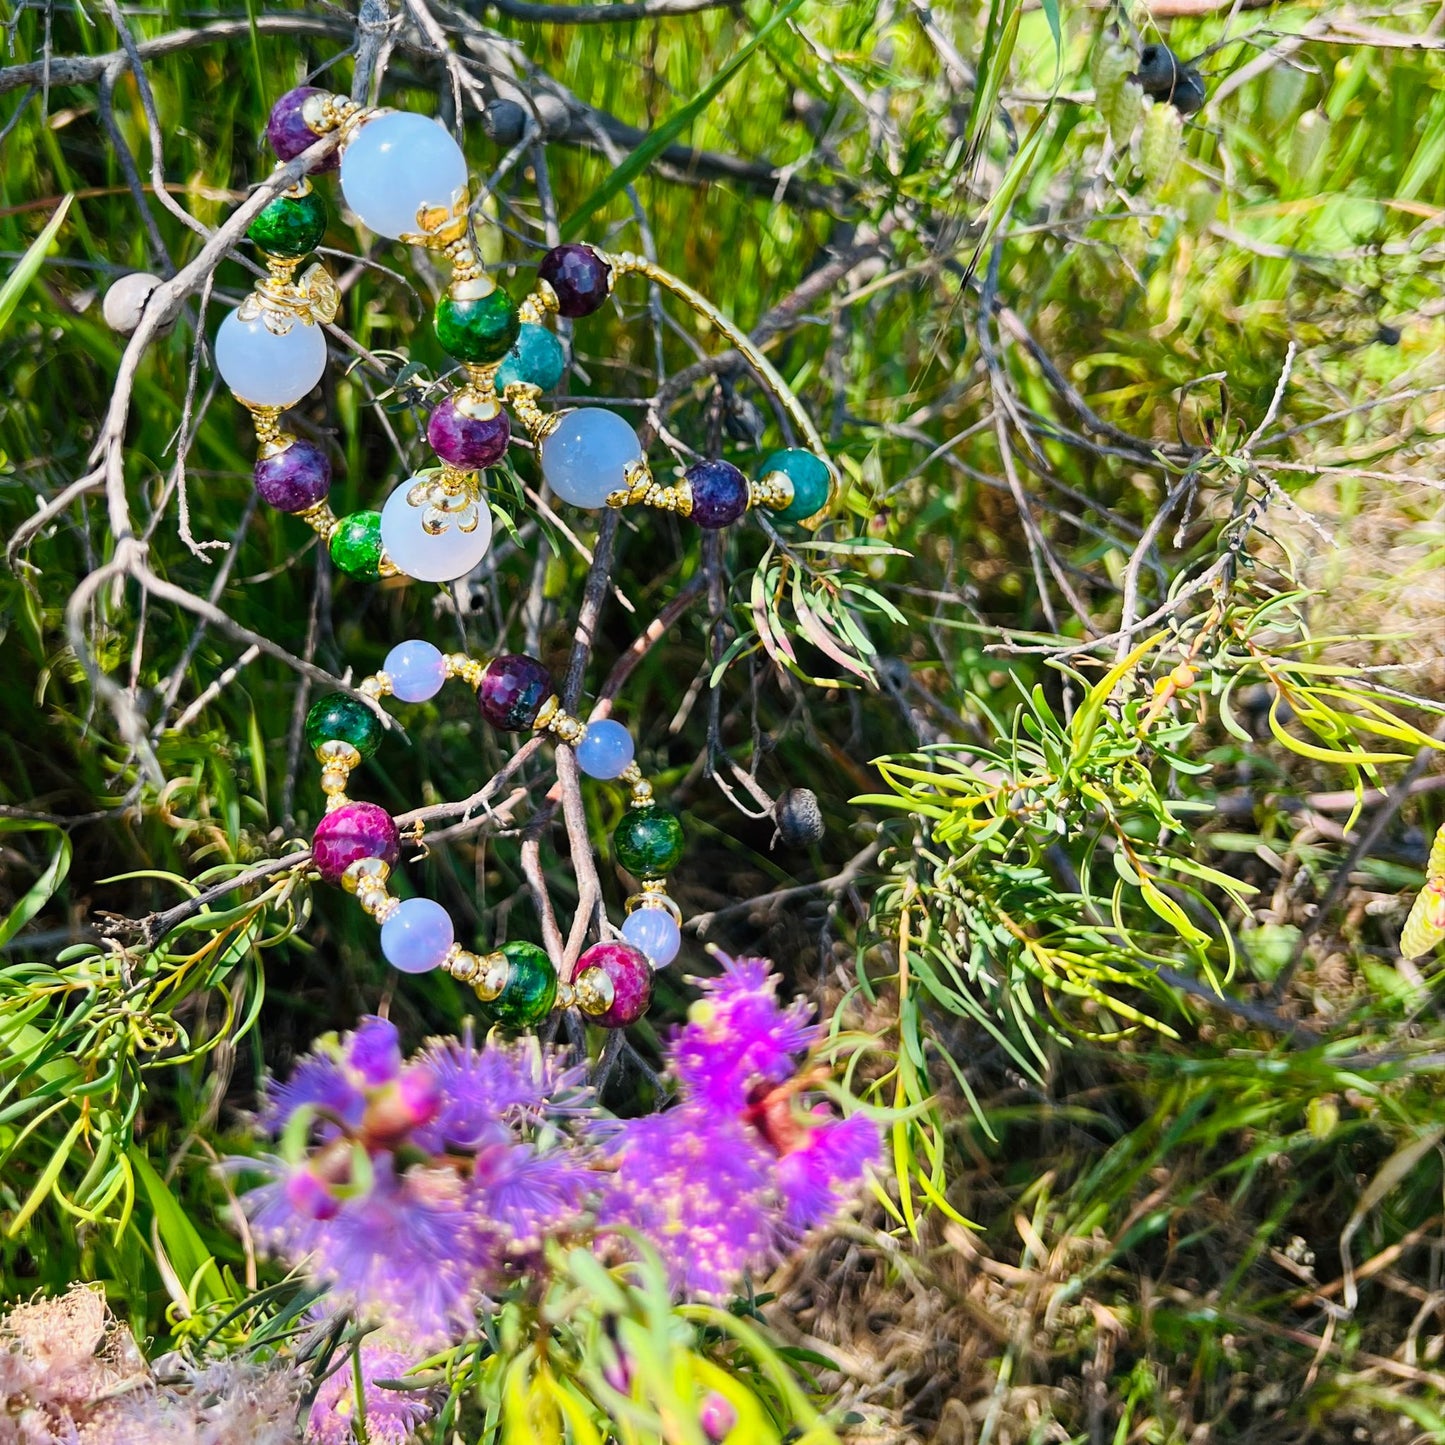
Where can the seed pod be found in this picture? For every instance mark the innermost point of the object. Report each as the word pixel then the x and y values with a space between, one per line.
pixel 505 121
pixel 1160 145
pixel 799 818
pixel 1108 69
pixel 1126 113
pixel 1311 132
pixel 1283 91
pixel 126 299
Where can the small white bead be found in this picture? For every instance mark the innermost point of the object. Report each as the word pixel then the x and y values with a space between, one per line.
pixel 126 299
pixel 416 552
pixel 266 369
pixel 398 164
pixel 588 454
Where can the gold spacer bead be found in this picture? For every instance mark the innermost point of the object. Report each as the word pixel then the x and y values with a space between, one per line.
pixel 566 996
pixel 631 775
pixel 333 780
pixel 385 908
pixel 335 801
pixel 774 491
pixel 495 974
pixel 321 519
pixel 546 713
pixel 594 991
pixel 469 669
pixel 385 567
pixel 654 895
pixel 522 396
pixel 642 794
pixel 377 685
pixel 376 870
pixel 338 753
pixel 541 303
pixel 461 963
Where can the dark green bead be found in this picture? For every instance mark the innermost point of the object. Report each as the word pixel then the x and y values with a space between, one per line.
pixel 291 225
pixel 811 479
pixel 479 330
pixel 356 545
pixel 531 988
pixel 648 842
pixel 347 719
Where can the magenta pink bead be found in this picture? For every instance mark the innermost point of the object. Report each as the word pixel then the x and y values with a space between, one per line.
pixel 631 976
pixel 352 832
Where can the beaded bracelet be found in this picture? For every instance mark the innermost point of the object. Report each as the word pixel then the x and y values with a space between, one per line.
pixel 356 843
pixel 406 178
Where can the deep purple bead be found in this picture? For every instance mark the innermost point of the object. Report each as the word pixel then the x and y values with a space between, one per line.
pixel 512 691
pixel 353 831
pixel 287 131
pixel 631 976
pixel 719 493
pixel 469 442
pixel 294 479
pixel 579 276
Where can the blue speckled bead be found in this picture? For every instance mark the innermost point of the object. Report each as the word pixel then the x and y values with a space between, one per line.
pixel 537 358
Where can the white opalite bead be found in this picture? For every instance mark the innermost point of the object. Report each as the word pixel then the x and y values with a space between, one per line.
pixel 416 552
pixel 606 750
pixel 417 670
pixel 398 164
pixel 653 932
pixel 588 455
pixel 266 369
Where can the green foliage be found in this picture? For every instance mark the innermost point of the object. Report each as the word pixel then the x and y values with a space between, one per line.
pixel 1136 606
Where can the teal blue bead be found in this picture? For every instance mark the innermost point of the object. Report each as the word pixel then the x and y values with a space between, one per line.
pixel 537 358
pixel 811 479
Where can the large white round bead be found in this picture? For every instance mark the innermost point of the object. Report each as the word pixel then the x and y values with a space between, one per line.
pixel 588 455
pixel 398 164
pixel 266 369
pixel 442 557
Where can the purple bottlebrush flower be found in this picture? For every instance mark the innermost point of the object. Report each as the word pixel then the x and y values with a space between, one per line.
pixel 336 1079
pixel 698 1186
pixel 392 1416
pixel 404 1251
pixel 483 1092
pixel 815 1178
pixel 738 1036
pixel 526 1195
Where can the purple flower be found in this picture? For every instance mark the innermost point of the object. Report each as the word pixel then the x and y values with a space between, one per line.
pixel 698 1186
pixel 739 1037
pixel 816 1178
pixel 392 1416
pixel 336 1079
pixel 484 1093
pixel 526 1195
pixel 405 1251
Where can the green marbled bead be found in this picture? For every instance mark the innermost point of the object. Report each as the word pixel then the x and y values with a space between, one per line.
pixel 480 330
pixel 812 482
pixel 337 717
pixel 356 545
pixel 530 991
pixel 648 842
pixel 290 226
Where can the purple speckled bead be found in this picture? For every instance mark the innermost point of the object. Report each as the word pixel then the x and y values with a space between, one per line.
pixel 512 691
pixel 287 131
pixel 355 830
pixel 719 493
pixel 579 276
pixel 468 441
pixel 631 976
pixel 294 479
